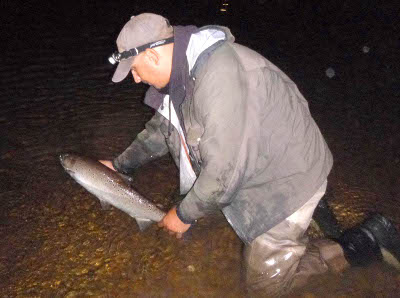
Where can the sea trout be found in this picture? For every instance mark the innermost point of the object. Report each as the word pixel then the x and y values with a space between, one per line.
pixel 111 189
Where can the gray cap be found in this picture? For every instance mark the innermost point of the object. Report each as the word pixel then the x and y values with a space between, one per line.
pixel 140 30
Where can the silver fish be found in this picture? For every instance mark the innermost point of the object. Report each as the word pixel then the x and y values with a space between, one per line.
pixel 111 189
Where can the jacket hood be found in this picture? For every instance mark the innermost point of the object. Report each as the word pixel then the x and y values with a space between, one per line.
pixel 203 42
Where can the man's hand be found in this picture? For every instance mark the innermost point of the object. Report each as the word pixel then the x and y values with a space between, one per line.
pixel 173 224
pixel 108 164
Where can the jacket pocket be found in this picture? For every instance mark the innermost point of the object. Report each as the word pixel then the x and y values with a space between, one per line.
pixel 194 135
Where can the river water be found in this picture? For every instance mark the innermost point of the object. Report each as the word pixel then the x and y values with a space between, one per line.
pixel 56 96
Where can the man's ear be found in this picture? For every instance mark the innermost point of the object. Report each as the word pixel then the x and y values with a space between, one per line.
pixel 152 56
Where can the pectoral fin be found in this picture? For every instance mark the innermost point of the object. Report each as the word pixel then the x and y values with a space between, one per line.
pixel 105 205
pixel 143 223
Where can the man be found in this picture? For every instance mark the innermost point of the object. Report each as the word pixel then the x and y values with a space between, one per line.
pixel 243 138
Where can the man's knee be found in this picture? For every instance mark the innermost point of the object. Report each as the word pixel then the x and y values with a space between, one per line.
pixel 270 266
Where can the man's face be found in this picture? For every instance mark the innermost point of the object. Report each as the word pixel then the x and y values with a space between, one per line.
pixel 145 70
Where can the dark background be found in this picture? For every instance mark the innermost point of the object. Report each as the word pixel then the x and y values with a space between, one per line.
pixel 56 96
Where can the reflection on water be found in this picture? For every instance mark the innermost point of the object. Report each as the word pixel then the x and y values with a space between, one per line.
pixel 56 240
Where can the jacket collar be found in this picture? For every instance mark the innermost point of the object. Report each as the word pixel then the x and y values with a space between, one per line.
pixel 203 43
pixel 180 72
pixel 192 47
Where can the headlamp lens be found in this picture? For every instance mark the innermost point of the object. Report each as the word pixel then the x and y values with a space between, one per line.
pixel 114 58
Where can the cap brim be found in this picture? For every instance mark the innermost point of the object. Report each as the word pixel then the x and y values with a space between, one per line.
pixel 123 68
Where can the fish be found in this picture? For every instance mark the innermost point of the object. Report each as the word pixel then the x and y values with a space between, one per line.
pixel 111 189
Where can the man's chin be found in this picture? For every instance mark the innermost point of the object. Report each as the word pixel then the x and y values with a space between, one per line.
pixel 163 90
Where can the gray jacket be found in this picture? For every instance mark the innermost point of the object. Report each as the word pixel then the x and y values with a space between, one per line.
pixel 260 152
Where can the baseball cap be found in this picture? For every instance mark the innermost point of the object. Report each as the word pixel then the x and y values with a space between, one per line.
pixel 138 31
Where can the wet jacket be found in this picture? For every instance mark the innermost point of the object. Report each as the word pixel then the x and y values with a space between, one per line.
pixel 261 156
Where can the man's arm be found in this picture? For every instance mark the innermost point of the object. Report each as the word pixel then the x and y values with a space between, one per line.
pixel 148 145
pixel 223 111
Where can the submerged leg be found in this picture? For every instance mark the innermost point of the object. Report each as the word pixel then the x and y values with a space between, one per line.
pixel 277 261
pixel 325 218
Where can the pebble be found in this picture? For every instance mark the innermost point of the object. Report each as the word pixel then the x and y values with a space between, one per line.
pixel 365 49
pixel 330 72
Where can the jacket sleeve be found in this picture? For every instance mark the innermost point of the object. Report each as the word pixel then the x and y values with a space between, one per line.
pixel 222 108
pixel 148 145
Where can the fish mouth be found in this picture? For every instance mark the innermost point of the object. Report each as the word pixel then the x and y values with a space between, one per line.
pixel 64 158
pixel 68 161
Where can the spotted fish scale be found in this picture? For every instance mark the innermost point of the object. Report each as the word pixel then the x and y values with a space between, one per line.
pixel 110 188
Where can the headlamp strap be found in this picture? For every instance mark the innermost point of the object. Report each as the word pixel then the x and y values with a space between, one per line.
pixel 136 51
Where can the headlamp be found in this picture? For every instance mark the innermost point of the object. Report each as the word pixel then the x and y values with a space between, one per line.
pixel 118 56
pixel 114 58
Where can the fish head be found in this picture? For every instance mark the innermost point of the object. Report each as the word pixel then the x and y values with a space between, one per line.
pixel 86 170
pixel 68 161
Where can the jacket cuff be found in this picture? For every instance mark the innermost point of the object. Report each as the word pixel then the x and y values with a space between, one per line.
pixel 182 218
pixel 120 167
pixel 116 165
pixel 126 164
pixel 193 208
